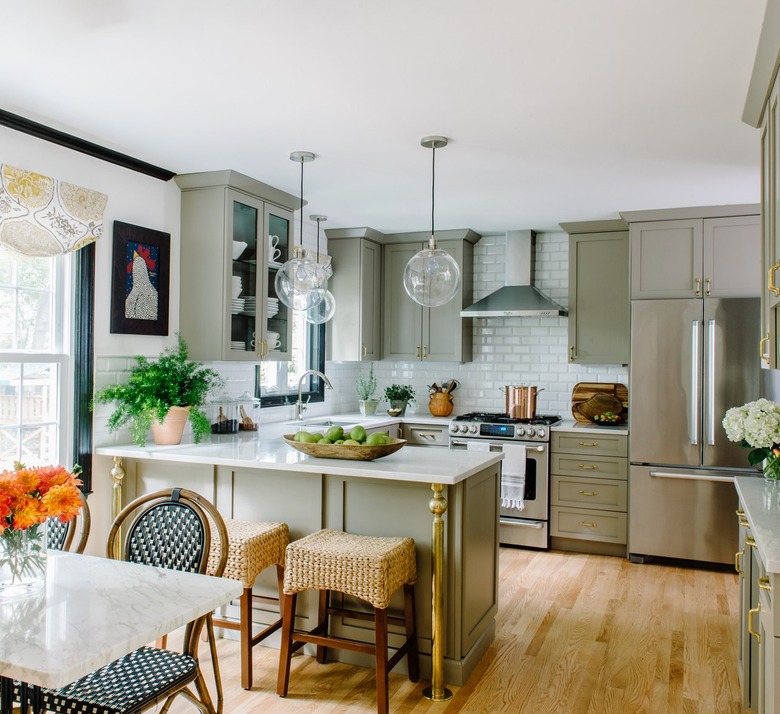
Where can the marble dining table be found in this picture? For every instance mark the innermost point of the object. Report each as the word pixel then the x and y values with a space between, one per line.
pixel 93 611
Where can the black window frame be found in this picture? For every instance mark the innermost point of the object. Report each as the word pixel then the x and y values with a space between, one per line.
pixel 315 393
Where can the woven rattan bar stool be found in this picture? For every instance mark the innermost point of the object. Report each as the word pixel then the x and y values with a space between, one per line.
pixel 366 567
pixel 252 547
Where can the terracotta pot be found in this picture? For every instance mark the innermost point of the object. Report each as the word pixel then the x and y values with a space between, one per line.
pixel 172 427
pixel 440 404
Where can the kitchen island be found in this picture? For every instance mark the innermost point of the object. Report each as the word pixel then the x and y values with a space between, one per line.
pixel 264 479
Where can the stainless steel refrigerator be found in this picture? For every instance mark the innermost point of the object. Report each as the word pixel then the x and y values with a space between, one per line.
pixel 691 360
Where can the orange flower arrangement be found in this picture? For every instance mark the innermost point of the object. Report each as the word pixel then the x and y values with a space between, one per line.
pixel 29 496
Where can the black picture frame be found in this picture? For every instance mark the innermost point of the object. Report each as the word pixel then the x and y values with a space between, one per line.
pixel 140 280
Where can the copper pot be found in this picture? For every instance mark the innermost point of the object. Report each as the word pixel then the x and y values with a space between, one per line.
pixel 520 401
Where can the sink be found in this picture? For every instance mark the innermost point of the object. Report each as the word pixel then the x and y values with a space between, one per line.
pixel 325 422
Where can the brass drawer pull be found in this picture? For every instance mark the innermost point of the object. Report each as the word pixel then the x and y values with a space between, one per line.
pixel 588 468
pixel 588 493
pixel 763 583
pixel 737 556
pixel 706 287
pixel 761 354
pixel 749 540
pixel 744 522
pixel 571 353
pixel 363 350
pixel 770 284
pixel 697 290
pixel 740 512
pixel 589 443
pixel 426 435
pixel 588 525
pixel 750 622
pixel 425 352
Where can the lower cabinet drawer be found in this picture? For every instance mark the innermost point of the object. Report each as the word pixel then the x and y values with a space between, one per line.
pixel 602 494
pixel 586 524
pixel 425 435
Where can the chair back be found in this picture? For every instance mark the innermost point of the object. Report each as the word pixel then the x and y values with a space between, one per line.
pixel 60 535
pixel 172 529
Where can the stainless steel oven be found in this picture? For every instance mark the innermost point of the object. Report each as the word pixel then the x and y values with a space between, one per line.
pixel 527 527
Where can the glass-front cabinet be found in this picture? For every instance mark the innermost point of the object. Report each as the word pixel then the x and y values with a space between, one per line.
pixel 236 234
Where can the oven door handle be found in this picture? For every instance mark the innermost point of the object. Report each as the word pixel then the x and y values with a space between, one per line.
pixel 524 524
pixel 461 442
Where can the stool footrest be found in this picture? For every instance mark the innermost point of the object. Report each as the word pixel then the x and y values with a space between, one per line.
pixel 361 615
pixel 338 642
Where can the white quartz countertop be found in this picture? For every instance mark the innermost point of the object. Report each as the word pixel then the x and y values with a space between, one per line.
pixel 761 502
pixel 580 427
pixel 265 450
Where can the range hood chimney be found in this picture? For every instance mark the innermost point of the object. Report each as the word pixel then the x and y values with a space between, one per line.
pixel 518 298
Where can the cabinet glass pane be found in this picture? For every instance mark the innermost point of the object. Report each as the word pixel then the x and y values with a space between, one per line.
pixel 278 313
pixel 244 277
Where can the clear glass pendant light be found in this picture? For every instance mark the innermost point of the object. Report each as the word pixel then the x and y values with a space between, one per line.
pixel 300 282
pixel 325 308
pixel 432 276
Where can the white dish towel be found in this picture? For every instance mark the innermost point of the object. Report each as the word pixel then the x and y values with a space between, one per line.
pixel 513 477
pixel 478 446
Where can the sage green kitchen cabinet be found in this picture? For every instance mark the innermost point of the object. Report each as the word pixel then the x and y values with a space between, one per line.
pixel 218 208
pixel 436 334
pixel 354 333
pixel 599 331
pixel 696 256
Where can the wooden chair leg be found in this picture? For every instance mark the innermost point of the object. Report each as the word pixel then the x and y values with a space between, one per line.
pixel 285 650
pixel 322 623
pixel 245 618
pixel 209 629
pixel 412 658
pixel 382 695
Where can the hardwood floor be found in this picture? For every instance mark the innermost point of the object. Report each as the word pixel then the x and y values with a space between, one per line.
pixel 576 634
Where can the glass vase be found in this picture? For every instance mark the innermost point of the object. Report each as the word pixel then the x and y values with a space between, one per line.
pixel 772 468
pixel 22 561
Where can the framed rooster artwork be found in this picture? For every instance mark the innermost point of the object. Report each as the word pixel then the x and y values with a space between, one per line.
pixel 140 280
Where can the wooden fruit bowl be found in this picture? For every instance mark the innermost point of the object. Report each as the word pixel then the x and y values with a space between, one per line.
pixel 339 451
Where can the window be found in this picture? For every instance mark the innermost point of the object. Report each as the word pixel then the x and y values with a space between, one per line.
pixel 35 365
pixel 277 382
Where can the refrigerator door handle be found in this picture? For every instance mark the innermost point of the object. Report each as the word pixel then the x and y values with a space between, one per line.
pixel 691 477
pixel 695 382
pixel 711 382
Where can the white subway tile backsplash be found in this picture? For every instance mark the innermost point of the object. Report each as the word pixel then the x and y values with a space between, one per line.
pixel 532 350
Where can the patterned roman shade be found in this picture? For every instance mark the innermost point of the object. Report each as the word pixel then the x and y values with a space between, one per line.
pixel 41 216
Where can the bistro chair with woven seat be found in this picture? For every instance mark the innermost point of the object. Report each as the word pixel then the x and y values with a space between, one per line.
pixel 60 536
pixel 169 529
pixel 252 547
pixel 366 567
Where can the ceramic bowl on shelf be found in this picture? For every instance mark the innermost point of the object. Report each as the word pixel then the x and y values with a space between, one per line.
pixel 238 248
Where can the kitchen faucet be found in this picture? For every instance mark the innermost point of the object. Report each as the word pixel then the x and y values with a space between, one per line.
pixel 300 405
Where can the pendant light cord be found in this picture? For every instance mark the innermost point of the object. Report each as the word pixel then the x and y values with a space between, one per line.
pixel 301 218
pixel 318 240
pixel 433 187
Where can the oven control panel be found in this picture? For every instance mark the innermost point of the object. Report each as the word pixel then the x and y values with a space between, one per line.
pixel 507 432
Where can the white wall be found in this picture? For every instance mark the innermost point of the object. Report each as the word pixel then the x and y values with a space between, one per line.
pixel 132 198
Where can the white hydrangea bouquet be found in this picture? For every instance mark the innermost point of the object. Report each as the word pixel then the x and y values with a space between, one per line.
pixel 756 426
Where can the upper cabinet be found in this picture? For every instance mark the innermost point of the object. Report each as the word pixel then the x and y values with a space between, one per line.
pixel 354 333
pixel 413 332
pixel 695 256
pixel 598 292
pixel 235 234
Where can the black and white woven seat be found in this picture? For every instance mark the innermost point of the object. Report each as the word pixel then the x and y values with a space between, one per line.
pixel 60 536
pixel 170 530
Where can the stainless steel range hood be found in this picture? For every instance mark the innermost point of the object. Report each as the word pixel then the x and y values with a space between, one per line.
pixel 518 297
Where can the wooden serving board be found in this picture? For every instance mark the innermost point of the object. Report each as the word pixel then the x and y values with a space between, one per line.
pixel 585 390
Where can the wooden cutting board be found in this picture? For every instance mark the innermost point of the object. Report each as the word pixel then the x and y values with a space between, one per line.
pixel 585 390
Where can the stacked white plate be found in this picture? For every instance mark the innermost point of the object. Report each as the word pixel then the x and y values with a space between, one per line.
pixel 237 305
pixel 250 305
pixel 236 285
pixel 272 307
pixel 237 345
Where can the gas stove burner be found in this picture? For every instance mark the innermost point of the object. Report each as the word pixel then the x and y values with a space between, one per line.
pixel 493 418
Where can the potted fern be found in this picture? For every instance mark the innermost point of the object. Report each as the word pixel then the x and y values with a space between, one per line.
pixel 365 388
pixel 162 394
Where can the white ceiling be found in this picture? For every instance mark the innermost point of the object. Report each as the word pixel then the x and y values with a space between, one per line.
pixel 556 110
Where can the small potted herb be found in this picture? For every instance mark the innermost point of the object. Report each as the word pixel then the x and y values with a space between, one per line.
pixel 399 396
pixel 365 388
pixel 162 394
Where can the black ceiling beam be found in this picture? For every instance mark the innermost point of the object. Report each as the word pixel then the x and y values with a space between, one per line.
pixel 41 131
